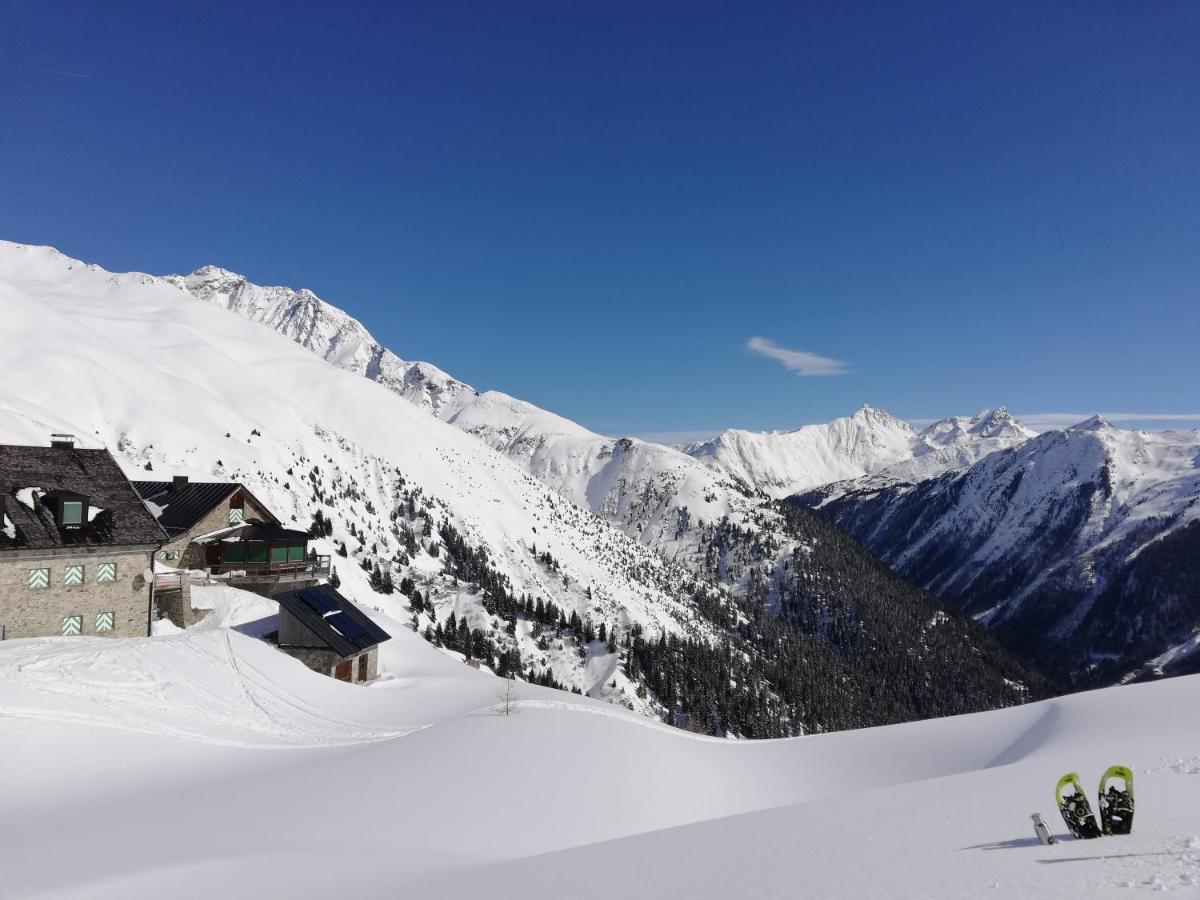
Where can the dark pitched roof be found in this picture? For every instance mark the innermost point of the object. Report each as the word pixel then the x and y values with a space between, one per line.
pixel 333 619
pixel 185 503
pixel 116 515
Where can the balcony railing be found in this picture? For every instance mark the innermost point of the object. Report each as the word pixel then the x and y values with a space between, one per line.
pixel 311 567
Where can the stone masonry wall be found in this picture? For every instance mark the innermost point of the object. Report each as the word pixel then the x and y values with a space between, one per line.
pixel 39 612
pixel 325 661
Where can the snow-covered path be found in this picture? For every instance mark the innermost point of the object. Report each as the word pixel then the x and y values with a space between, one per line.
pixel 207 764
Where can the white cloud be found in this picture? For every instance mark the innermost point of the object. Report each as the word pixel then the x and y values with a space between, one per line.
pixel 674 438
pixel 799 361
pixel 1052 420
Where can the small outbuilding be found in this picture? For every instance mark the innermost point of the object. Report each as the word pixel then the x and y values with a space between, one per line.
pixel 329 634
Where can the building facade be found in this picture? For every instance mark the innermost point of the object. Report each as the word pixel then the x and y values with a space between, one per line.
pixel 220 532
pixel 76 545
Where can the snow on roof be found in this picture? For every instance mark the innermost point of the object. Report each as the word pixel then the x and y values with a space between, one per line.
pixel 29 497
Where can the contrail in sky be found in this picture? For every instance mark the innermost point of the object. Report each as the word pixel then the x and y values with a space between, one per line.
pixel 50 71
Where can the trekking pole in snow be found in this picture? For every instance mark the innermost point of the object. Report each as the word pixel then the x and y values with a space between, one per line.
pixel 1040 829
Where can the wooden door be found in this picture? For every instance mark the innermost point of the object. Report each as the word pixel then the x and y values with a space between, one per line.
pixel 342 671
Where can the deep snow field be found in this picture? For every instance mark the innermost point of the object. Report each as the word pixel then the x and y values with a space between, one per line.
pixel 205 763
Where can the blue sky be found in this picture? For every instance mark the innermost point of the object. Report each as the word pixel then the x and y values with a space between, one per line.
pixel 633 213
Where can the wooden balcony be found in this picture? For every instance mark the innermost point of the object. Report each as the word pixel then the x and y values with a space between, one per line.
pixel 312 567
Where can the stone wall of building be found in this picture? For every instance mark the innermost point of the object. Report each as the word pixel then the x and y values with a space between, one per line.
pixel 326 661
pixel 177 605
pixel 40 611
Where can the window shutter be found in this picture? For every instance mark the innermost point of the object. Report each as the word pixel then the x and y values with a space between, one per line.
pixel 72 625
pixel 73 575
pixel 104 621
pixel 39 578
pixel 106 572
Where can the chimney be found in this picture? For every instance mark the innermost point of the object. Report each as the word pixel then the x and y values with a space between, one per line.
pixel 177 482
pixel 62 441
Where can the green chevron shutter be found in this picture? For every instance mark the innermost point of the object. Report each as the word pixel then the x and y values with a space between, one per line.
pixel 106 572
pixel 73 575
pixel 72 625
pixel 104 621
pixel 39 578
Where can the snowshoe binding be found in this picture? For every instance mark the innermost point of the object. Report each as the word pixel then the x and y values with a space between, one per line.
pixel 1116 806
pixel 1075 809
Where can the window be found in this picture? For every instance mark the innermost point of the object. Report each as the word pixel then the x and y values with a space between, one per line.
pixel 234 553
pixel 235 515
pixel 72 625
pixel 256 553
pixel 73 575
pixel 106 572
pixel 296 553
pixel 72 512
pixel 104 621
pixel 39 578
pixel 279 554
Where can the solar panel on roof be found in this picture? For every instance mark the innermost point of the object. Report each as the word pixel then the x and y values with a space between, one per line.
pixel 319 601
pixel 346 625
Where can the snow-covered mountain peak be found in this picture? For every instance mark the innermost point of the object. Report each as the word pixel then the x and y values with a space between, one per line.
pixel 1095 423
pixel 210 274
pixel 780 463
pixel 874 416
pixel 987 424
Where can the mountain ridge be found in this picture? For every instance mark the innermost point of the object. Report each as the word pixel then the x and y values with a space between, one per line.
pixel 760 623
pixel 1051 543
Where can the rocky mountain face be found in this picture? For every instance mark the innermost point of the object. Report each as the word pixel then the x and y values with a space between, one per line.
pixel 1077 548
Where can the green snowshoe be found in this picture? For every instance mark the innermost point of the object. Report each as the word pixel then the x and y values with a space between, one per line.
pixel 1075 809
pixel 1116 806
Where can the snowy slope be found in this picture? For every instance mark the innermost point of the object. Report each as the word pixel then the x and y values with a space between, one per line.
pixel 208 764
pixel 187 388
pixel 638 486
pixel 1077 546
